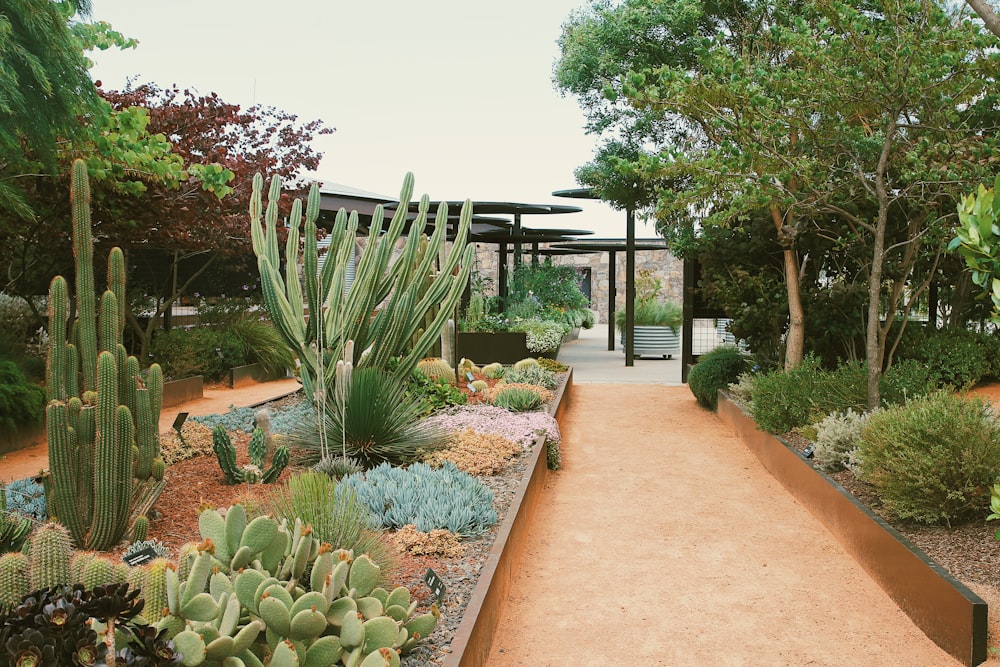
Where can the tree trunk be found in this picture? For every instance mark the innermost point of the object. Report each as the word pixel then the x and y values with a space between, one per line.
pixel 987 14
pixel 796 337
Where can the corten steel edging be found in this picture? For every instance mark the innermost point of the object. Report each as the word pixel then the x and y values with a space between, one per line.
pixel 176 392
pixel 951 615
pixel 470 647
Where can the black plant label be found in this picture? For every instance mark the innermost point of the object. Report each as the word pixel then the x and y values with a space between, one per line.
pixel 434 583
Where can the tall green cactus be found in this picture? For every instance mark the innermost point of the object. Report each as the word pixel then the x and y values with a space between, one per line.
pixel 95 427
pixel 385 310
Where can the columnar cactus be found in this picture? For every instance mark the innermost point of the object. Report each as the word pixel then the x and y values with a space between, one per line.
pixel 384 311
pixel 49 556
pixel 103 431
pixel 14 582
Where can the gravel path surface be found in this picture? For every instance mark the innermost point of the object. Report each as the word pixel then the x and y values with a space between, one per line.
pixel 662 541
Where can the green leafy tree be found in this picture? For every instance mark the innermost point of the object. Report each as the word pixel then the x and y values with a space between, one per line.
pixel 868 151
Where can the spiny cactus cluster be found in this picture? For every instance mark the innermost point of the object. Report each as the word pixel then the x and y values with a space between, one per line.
pixel 259 583
pixel 397 306
pixel 436 369
pixel 225 452
pixel 102 417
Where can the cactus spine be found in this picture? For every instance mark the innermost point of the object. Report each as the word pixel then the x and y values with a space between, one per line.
pixel 49 556
pixel 408 289
pixel 94 428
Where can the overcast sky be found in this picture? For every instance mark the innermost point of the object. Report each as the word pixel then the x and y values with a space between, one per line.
pixel 457 91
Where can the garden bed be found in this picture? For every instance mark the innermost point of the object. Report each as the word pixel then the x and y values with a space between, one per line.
pixel 945 609
pixel 477 582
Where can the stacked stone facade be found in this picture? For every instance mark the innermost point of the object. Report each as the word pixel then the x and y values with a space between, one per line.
pixel 664 266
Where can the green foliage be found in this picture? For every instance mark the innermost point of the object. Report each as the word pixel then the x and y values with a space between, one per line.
pixel 338 467
pixel 334 513
pixel 908 379
pixel 932 460
pixel 21 403
pixel 837 437
pixel 784 400
pixel 429 498
pixel 977 239
pixel 379 422
pixel 532 375
pixel 655 313
pixel 515 399
pixel 958 358
pixel 14 530
pixel 434 395
pixel 212 351
pixel 543 336
pixel 262 345
pixel 548 288
pixel 716 370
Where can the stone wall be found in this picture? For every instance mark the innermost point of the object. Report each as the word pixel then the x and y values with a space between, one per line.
pixel 664 266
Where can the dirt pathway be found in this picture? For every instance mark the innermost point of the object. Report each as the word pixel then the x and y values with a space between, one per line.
pixel 664 542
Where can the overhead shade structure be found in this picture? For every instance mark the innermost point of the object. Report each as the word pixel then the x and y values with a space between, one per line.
pixel 590 193
pixel 612 247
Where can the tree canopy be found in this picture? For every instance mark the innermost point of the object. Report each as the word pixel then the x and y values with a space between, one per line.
pixel 782 115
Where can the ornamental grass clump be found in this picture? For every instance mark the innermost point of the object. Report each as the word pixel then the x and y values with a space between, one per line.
pixel 932 460
pixel 532 375
pixel 334 512
pixel 476 453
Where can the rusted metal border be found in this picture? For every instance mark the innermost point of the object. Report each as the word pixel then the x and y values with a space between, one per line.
pixel 951 615
pixel 473 639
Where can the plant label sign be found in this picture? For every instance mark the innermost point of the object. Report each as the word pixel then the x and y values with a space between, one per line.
pixel 470 376
pixel 434 583
pixel 139 557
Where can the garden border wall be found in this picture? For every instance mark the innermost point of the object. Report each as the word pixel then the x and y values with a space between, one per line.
pixel 950 614
pixel 241 376
pixel 184 390
pixel 471 644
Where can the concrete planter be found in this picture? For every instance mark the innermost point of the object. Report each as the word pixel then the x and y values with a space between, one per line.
pixel 471 644
pixel 949 613
pixel 654 341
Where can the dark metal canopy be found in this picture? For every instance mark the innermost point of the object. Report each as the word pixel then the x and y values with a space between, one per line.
pixel 630 248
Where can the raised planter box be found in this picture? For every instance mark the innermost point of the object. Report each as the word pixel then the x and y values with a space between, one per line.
pixel 653 342
pixel 471 644
pixel 505 347
pixel 250 374
pixel 25 436
pixel 180 391
pixel 951 615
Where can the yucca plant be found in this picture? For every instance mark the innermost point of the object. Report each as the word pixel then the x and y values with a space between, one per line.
pixel 333 511
pixel 377 420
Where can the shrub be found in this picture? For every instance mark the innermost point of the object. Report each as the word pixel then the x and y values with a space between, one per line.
pixel 906 380
pixel 429 498
pixel 837 436
pixel 195 440
pixel 380 422
pixel 552 365
pixel 959 358
pixel 435 543
pixel 542 335
pixel 21 402
pixel 715 370
pixel 334 512
pixel 933 459
pixel 262 344
pixel 200 351
pixel 784 400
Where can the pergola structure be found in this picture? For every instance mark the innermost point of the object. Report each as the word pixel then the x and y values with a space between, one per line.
pixel 612 247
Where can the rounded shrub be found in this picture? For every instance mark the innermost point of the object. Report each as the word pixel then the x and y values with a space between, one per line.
pixel 837 436
pixel 933 460
pixel 715 370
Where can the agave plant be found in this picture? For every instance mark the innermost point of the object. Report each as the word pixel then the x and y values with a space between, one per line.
pixel 378 421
